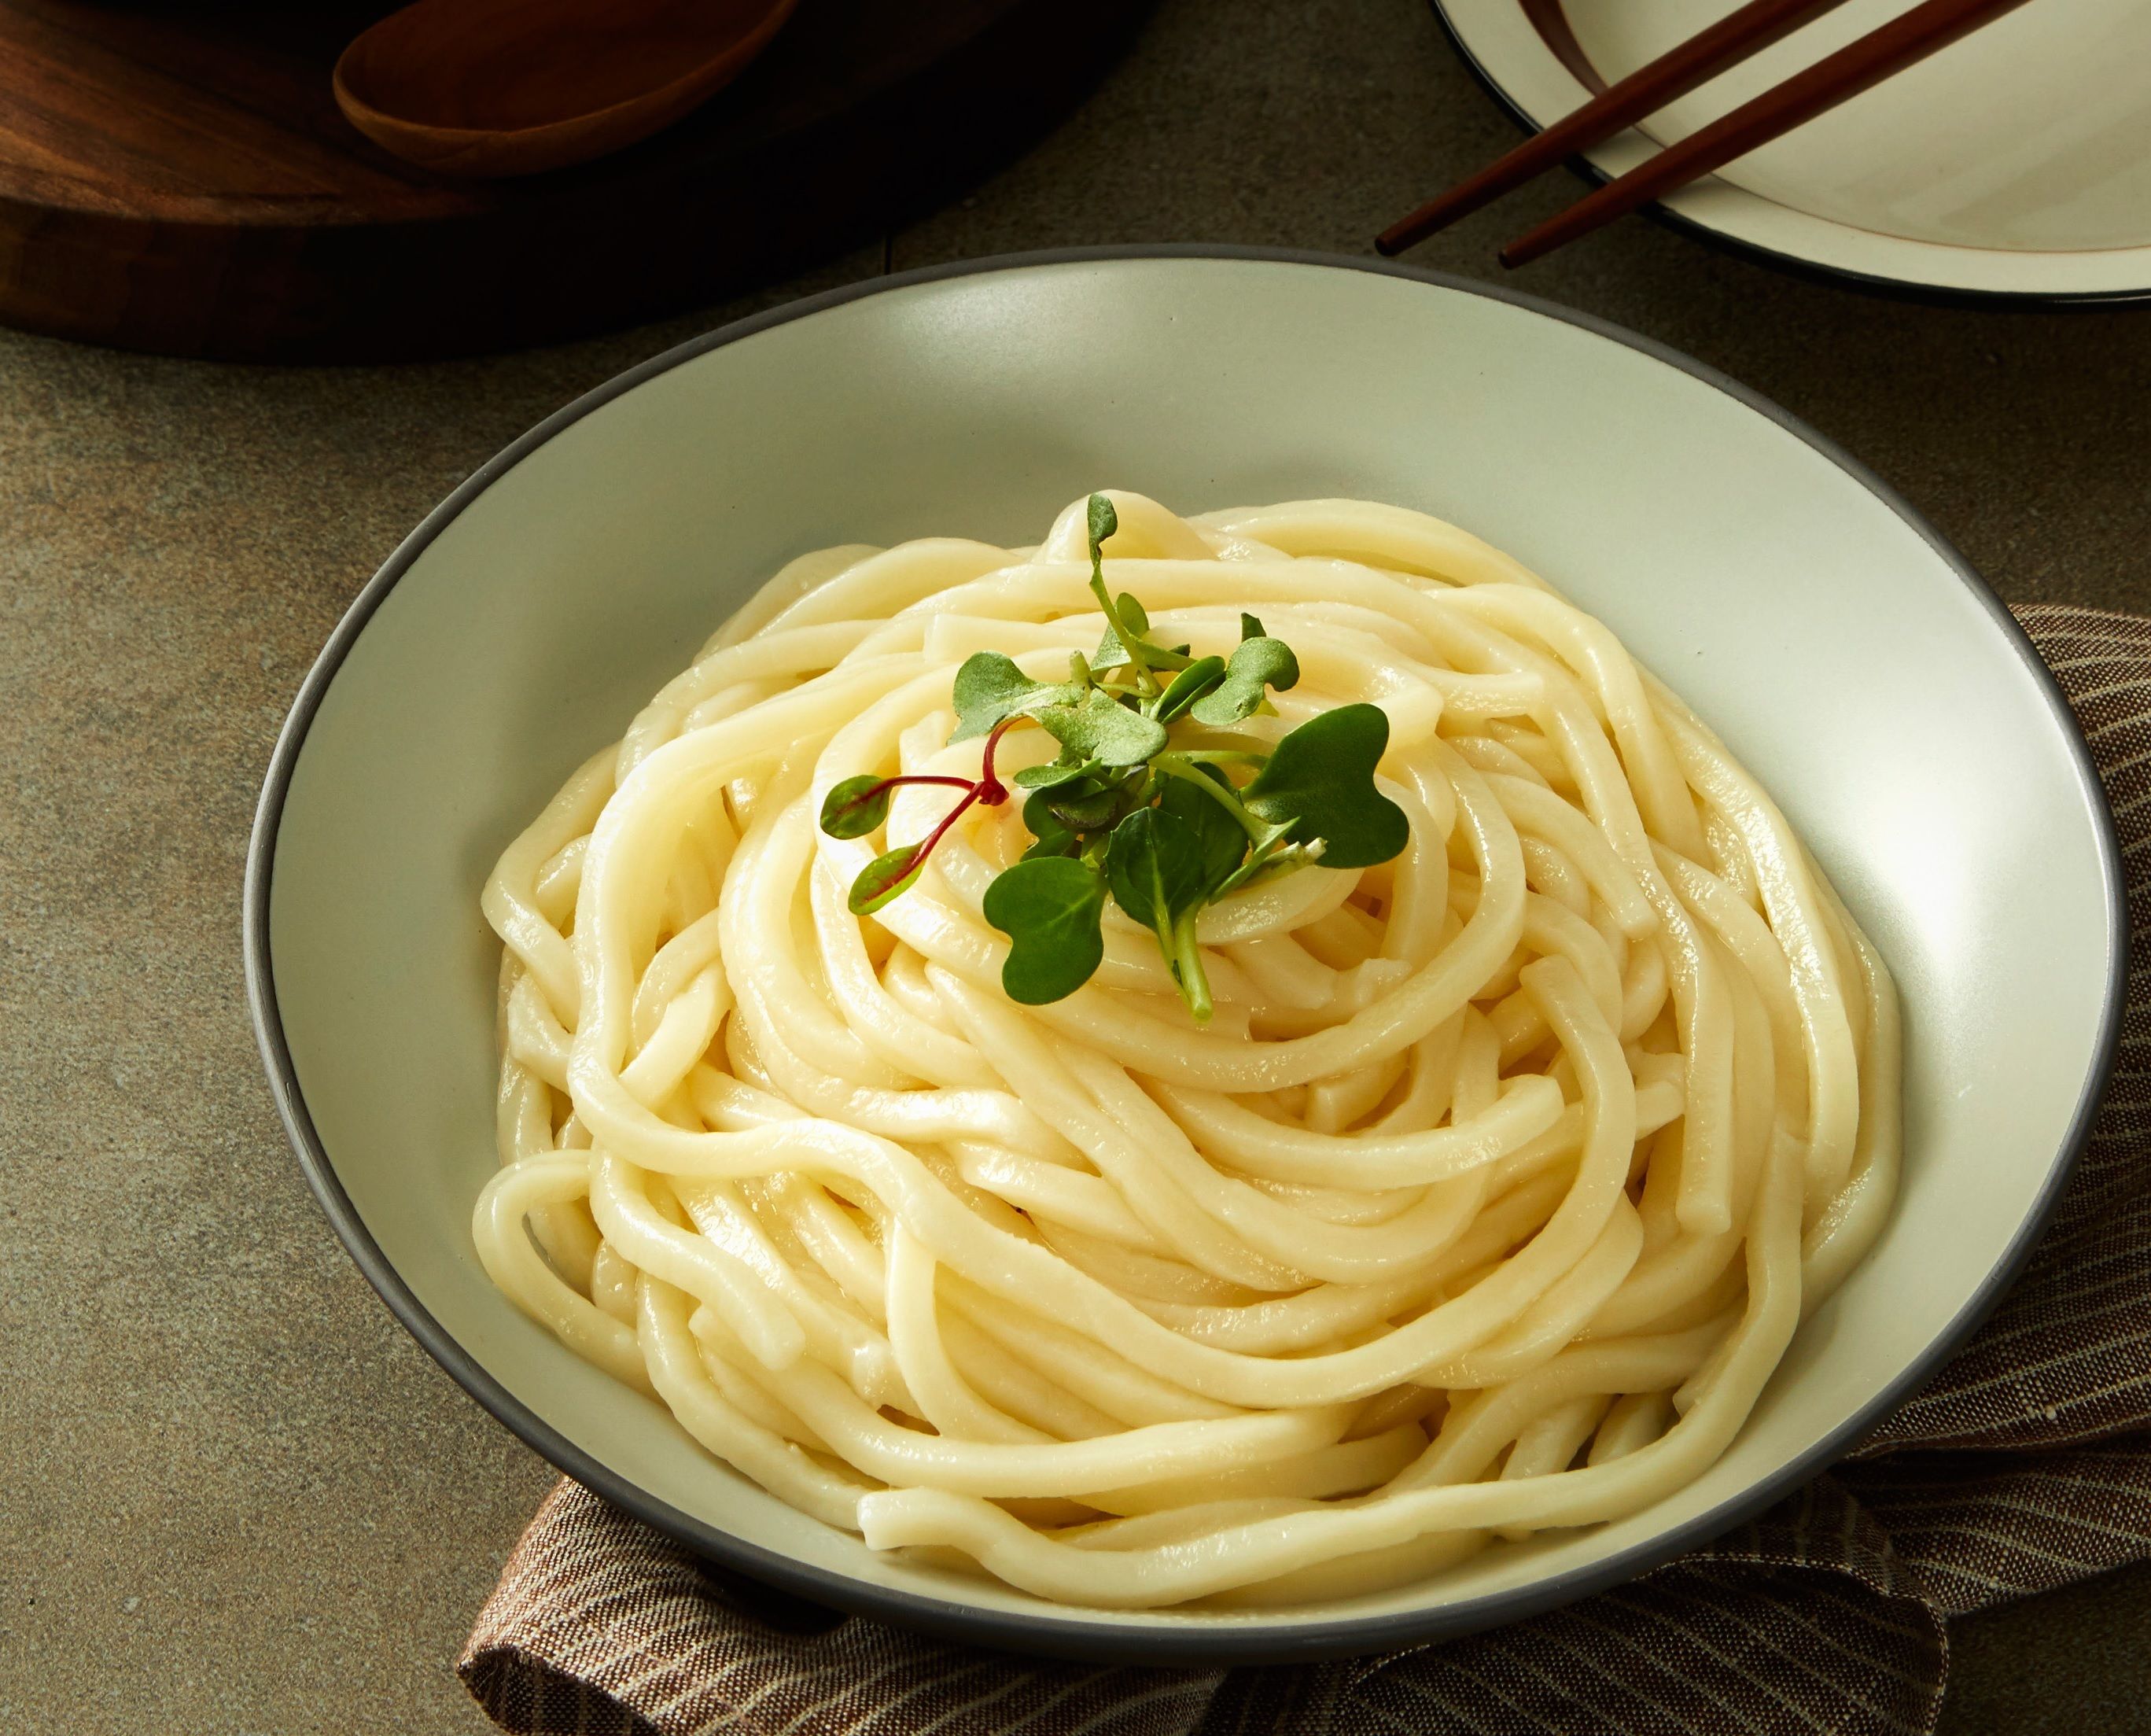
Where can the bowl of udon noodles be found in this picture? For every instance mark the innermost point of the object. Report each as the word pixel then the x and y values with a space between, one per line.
pixel 1184 956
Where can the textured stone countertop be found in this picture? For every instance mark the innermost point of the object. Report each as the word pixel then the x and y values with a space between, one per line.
pixel 234 1496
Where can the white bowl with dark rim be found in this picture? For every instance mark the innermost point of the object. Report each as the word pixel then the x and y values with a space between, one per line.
pixel 1844 651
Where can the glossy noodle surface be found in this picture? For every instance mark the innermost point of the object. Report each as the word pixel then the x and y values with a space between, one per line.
pixel 1486 1202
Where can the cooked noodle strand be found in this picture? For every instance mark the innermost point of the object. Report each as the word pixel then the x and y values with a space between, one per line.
pixel 1486 1204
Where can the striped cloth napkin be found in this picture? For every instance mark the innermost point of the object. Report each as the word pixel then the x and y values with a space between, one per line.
pixel 2024 1464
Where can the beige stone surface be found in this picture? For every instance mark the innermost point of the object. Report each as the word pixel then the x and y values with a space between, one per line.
pixel 234 1496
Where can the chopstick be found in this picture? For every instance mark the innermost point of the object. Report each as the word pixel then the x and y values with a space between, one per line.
pixel 1680 69
pixel 1859 66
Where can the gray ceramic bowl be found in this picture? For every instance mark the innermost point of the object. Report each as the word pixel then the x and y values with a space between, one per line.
pixel 1841 648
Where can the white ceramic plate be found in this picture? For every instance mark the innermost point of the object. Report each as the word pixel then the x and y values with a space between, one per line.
pixel 1843 651
pixel 2013 166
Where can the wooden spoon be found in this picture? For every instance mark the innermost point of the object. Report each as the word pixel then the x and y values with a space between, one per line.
pixel 513 87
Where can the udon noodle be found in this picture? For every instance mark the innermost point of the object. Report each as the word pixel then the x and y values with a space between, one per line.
pixel 1486 1203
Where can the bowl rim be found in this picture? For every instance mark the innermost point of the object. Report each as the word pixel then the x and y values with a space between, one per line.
pixel 1074 1633
pixel 1896 287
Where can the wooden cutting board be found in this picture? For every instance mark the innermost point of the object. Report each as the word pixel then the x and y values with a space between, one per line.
pixel 178 177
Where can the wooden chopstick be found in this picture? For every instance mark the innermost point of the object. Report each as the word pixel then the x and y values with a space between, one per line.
pixel 1680 69
pixel 1859 66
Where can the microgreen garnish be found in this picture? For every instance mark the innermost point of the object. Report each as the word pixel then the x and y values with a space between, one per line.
pixel 1098 729
pixel 1258 662
pixel 1319 783
pixel 1163 828
pixel 1050 907
pixel 990 689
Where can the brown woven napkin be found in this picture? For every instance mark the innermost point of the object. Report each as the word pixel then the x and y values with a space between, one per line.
pixel 2024 1464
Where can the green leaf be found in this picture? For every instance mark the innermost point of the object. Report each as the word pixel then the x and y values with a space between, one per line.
pixel 855 806
pixel 1126 620
pixel 1101 730
pixel 1319 783
pixel 1037 815
pixel 1154 866
pixel 1258 662
pixel 990 688
pixel 1080 805
pixel 1158 862
pixel 1113 655
pixel 885 877
pixel 1061 771
pixel 1221 841
pixel 1190 685
pixel 1048 908
pixel 1054 839
pixel 1090 809
pixel 1053 842
pixel 1250 628
pixel 1104 522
